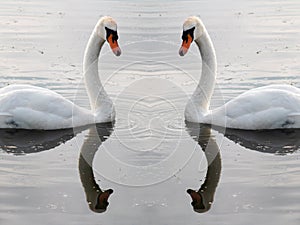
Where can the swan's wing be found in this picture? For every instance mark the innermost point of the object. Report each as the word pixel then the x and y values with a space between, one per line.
pixel 265 119
pixel 30 118
pixel 261 108
pixel 241 119
pixel 40 109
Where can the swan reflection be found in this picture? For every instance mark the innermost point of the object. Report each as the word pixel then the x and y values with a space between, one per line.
pixel 97 198
pixel 278 141
pixel 204 197
pixel 20 142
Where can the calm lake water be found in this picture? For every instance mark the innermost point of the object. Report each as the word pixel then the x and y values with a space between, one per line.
pixel 149 157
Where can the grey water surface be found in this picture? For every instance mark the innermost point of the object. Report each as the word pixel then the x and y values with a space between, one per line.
pixel 149 157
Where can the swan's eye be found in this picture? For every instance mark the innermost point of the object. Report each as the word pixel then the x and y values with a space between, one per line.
pixel 185 34
pixel 113 33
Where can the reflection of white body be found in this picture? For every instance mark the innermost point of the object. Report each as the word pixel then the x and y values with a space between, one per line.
pixel 30 107
pixel 268 107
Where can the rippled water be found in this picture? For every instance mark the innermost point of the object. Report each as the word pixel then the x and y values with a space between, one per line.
pixel 149 157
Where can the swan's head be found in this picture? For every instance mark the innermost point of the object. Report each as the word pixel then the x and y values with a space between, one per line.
pixel 193 29
pixel 101 202
pixel 106 28
pixel 198 202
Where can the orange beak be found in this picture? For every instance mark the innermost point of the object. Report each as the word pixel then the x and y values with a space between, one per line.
pixel 114 45
pixel 185 45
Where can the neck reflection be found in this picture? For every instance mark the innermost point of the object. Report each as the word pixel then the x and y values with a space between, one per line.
pixel 96 197
pixel 204 197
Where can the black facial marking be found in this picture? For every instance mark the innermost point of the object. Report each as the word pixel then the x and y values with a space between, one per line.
pixel 114 34
pixel 185 33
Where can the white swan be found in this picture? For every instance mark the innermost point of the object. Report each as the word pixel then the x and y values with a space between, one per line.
pixel 268 107
pixel 31 107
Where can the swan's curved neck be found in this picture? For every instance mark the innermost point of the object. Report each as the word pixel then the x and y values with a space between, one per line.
pixel 95 90
pixel 202 95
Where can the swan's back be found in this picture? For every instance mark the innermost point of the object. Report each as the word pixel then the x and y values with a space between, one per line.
pixel 17 87
pixel 282 87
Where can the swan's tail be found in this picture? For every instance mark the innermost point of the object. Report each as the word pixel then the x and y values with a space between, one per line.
pixel 293 121
pixel 5 120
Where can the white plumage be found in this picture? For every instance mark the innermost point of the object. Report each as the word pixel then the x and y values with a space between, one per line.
pixel 31 107
pixel 268 107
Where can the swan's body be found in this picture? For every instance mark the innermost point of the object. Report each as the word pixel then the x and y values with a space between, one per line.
pixel 268 107
pixel 31 107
